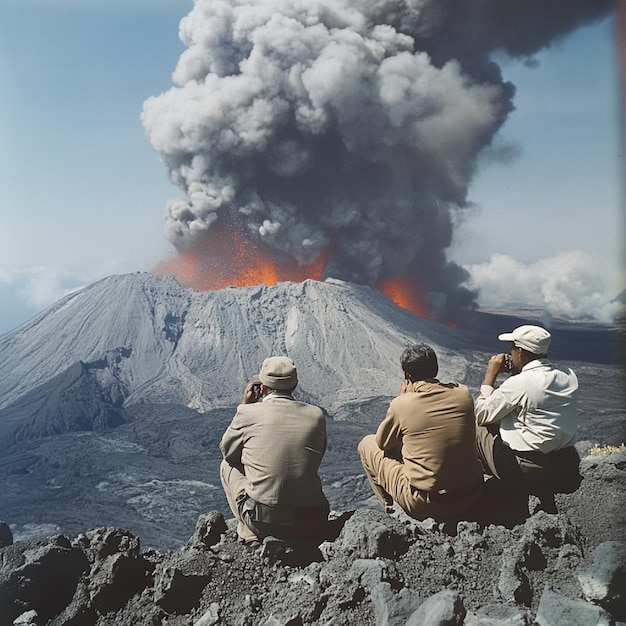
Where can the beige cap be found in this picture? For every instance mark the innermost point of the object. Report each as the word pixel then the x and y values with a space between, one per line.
pixel 279 372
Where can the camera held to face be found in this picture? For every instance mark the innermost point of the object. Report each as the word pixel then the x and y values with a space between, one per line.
pixel 256 391
pixel 508 364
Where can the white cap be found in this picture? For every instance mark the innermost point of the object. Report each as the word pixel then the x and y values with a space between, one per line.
pixel 531 338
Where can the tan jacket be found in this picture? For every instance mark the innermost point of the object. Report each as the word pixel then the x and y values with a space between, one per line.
pixel 434 426
pixel 280 442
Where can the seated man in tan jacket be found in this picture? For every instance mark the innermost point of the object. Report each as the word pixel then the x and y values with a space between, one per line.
pixel 272 452
pixel 423 455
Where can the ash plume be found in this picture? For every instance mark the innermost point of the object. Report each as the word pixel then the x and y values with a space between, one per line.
pixel 343 130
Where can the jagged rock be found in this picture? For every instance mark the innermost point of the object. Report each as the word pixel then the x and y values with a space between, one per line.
pixel 117 572
pixel 443 609
pixel 6 536
pixel 209 530
pixel 541 532
pixel 212 579
pixel 604 581
pixel 557 610
pixel 180 580
pixel 291 554
pixel 275 550
pixel 549 530
pixel 393 603
pixel 600 503
pixel 499 615
pixel 116 579
pixel 210 617
pixel 370 534
pixel 513 583
pixel 100 543
pixel 371 572
pixel 391 608
pixel 29 618
pixel 569 557
pixel 80 611
pixel 40 575
pixel 179 593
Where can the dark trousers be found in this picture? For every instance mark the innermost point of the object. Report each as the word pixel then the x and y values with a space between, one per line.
pixel 555 471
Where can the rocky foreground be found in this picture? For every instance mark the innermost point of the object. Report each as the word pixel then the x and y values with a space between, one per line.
pixel 521 561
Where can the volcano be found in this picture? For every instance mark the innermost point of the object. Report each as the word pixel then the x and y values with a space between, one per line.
pixel 138 337
pixel 114 399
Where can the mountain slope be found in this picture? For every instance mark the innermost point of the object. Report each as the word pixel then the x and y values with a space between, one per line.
pixel 152 340
pixel 73 400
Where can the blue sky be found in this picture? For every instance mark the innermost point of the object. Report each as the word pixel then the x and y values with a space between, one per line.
pixel 83 193
pixel 567 173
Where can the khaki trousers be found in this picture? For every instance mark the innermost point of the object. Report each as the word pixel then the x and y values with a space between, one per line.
pixel 385 473
pixel 305 524
pixel 234 483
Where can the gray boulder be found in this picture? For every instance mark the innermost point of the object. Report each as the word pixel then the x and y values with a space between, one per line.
pixel 209 530
pixel 443 609
pixel 370 534
pixel 393 608
pixel 557 610
pixel 378 569
pixel 499 615
pixel 604 581
pixel 39 576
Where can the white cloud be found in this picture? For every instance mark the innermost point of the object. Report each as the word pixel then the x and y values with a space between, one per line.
pixel 571 284
pixel 26 291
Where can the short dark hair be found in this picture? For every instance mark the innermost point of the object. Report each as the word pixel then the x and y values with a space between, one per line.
pixel 420 361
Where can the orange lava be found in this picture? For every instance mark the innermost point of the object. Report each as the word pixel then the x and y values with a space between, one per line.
pixel 405 294
pixel 225 259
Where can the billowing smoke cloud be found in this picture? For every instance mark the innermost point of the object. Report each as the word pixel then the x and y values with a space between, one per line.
pixel 343 128
pixel 570 284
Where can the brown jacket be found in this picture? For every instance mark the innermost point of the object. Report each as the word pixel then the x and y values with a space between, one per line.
pixel 435 429
pixel 280 443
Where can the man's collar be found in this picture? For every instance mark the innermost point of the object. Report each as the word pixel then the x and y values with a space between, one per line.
pixel 279 394
pixel 535 363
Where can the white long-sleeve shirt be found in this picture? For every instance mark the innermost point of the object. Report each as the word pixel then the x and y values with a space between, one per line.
pixel 536 409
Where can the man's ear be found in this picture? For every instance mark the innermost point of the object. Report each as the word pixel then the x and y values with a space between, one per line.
pixel 407 376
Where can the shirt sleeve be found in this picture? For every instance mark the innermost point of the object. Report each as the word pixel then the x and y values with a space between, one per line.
pixel 389 433
pixel 231 444
pixel 493 405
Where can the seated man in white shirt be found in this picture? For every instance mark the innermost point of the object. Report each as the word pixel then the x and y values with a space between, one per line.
pixel 526 428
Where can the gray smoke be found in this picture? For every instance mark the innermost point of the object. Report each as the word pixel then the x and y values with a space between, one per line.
pixel 350 127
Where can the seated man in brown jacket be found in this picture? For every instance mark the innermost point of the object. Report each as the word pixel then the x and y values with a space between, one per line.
pixel 272 452
pixel 423 455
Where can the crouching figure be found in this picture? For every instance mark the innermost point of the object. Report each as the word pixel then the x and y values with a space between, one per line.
pixel 528 425
pixel 272 452
pixel 423 455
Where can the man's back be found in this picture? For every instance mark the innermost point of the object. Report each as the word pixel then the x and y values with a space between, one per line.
pixel 436 425
pixel 281 443
pixel 536 408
